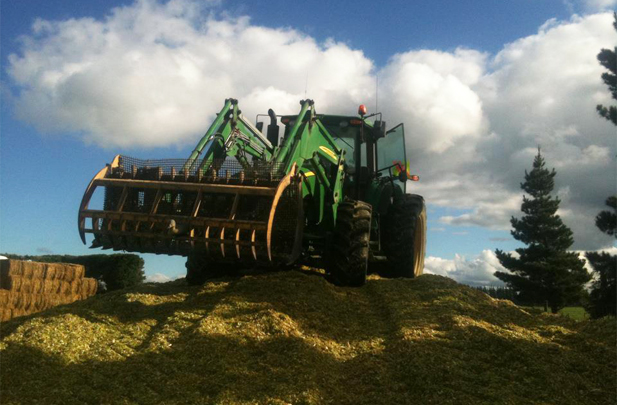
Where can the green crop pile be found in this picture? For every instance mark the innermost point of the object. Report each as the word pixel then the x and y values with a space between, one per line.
pixel 292 337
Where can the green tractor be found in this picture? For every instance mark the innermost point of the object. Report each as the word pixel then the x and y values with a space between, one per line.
pixel 322 190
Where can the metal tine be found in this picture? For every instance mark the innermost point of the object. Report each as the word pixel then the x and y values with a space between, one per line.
pixel 253 249
pixel 207 234
pixel 237 244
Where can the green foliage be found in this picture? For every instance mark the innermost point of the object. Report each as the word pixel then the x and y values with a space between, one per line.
pixel 117 271
pixel 608 59
pixel 544 271
pixel 606 221
pixel 602 297
pixel 501 293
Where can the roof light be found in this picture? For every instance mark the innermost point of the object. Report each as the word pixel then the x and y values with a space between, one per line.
pixel 362 110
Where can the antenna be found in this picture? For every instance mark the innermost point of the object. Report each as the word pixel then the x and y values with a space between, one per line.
pixel 376 93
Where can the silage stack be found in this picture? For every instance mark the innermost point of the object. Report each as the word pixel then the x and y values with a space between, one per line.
pixel 28 287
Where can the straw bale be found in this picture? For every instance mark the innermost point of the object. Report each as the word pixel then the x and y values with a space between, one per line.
pixel 37 285
pixel 51 286
pixel 12 283
pixel 65 287
pixel 27 268
pixel 26 286
pixel 10 268
pixel 79 271
pixel 4 297
pixel 90 285
pixel 5 314
pixel 71 272
pixel 38 269
pixel 54 271
pixel 23 300
pixel 76 286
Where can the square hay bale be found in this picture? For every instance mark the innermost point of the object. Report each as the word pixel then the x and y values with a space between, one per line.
pixel 27 268
pixel 65 287
pixel 26 286
pixel 76 286
pixel 72 272
pixel 38 269
pixel 37 285
pixel 5 314
pixel 54 271
pixel 90 285
pixel 10 268
pixel 79 271
pixel 12 283
pixel 23 301
pixel 51 286
pixel 4 298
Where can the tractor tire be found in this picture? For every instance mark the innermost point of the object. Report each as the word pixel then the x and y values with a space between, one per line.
pixel 403 236
pixel 198 269
pixel 347 259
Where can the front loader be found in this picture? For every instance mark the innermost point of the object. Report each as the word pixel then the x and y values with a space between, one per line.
pixel 316 189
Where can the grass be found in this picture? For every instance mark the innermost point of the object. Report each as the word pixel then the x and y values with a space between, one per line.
pixel 292 337
pixel 576 313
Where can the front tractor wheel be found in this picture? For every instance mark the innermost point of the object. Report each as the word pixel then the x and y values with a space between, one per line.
pixel 198 269
pixel 403 236
pixel 348 254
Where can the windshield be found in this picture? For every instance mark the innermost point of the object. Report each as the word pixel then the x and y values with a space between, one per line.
pixel 391 149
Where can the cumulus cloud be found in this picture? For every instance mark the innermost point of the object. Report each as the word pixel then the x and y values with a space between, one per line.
pixel 152 74
pixel 157 278
pixel 539 90
pixel 476 271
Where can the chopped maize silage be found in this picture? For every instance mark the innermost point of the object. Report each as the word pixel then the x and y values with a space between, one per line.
pixel 294 338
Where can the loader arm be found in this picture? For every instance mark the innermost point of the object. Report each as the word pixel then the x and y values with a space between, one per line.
pixel 311 148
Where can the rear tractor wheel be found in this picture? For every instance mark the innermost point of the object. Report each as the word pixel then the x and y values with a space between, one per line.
pixel 403 236
pixel 348 254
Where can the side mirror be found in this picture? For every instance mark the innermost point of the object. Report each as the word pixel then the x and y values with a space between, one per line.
pixel 379 129
pixel 260 126
pixel 402 177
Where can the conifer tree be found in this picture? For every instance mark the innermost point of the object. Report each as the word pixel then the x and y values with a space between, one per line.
pixel 608 59
pixel 544 271
pixel 603 295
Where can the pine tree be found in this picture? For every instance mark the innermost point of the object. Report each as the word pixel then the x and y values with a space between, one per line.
pixel 602 298
pixel 608 59
pixel 544 271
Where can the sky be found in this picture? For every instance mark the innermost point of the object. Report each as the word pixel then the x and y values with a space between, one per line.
pixel 479 86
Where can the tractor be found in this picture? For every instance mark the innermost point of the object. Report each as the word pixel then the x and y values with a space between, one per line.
pixel 320 190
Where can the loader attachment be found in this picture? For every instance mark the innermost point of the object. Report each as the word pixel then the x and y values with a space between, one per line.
pixel 233 210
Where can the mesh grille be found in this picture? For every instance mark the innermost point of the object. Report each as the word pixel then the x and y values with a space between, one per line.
pixel 219 170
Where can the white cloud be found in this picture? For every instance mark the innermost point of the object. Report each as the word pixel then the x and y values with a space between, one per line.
pixel 477 271
pixel 157 278
pixel 153 74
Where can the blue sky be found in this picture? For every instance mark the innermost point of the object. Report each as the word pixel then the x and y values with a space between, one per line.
pixel 478 84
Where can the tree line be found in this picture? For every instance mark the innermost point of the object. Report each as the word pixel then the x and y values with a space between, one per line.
pixel 545 271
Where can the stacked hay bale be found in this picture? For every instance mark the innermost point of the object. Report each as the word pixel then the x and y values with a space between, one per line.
pixel 29 287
